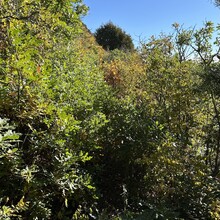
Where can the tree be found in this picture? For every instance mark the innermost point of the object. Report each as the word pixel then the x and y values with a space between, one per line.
pixel 111 37
pixel 217 2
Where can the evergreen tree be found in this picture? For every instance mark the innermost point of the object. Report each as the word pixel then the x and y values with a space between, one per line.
pixel 111 37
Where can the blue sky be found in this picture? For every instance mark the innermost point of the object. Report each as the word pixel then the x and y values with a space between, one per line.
pixel 144 18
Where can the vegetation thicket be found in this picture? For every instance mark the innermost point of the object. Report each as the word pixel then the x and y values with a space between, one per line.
pixel 88 133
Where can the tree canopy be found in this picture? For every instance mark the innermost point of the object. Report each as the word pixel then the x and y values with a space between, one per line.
pixel 217 2
pixel 111 37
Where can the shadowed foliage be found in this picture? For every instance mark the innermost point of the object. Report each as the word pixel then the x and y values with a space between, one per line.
pixel 111 37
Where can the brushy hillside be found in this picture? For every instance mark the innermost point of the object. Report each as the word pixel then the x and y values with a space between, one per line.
pixel 92 134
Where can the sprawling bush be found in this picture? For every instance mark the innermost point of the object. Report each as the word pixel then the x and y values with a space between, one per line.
pixel 119 134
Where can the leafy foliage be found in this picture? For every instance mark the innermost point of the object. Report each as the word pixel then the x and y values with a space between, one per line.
pixel 119 134
pixel 111 37
pixel 12 203
pixel 38 72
